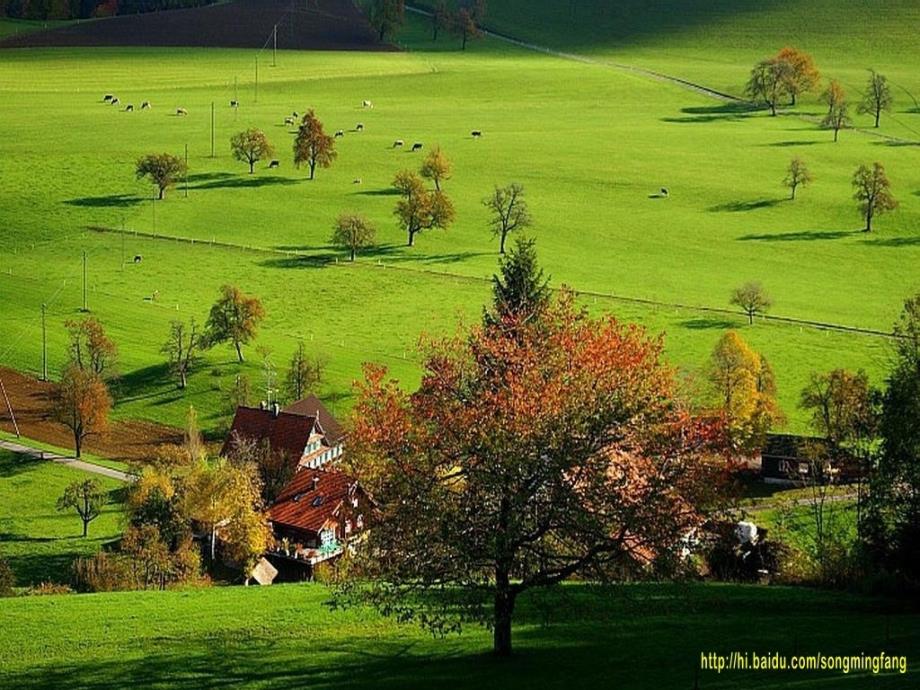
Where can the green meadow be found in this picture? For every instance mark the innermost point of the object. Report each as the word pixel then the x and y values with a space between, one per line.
pixel 574 636
pixel 592 143
pixel 37 540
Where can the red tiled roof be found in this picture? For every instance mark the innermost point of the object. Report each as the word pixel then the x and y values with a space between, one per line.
pixel 297 505
pixel 287 433
pixel 311 406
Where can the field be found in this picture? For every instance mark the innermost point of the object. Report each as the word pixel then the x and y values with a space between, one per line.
pixel 286 636
pixel 39 542
pixel 591 143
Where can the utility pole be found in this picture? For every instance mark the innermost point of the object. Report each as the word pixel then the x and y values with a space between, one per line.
pixel 186 173
pixel 256 100
pixel 212 129
pixel 44 346
pixel 153 203
pixel 9 407
pixel 274 43
pixel 122 243
pixel 84 281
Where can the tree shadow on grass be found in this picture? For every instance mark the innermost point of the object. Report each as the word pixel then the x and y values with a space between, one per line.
pixel 247 182
pixel 799 236
pixel 896 143
pixel 705 324
pixel 12 464
pixel 742 206
pixel 893 241
pixel 111 201
pixel 789 143
pixel 143 384
pixel 734 110
pixel 386 191
pixel 301 261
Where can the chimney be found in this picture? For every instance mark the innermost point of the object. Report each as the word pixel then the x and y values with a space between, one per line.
pixel 315 482
pixel 276 409
pixel 262 404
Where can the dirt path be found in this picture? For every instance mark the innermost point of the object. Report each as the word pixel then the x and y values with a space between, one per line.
pixel 64 460
pixel 128 441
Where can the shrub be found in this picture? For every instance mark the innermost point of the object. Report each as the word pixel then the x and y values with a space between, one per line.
pixel 7 579
pixel 103 572
pixel 48 588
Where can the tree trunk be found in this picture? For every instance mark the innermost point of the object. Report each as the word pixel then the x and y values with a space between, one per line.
pixel 77 443
pixel 773 108
pixel 836 132
pixel 239 351
pixel 793 100
pixel 793 192
pixel 501 249
pixel 213 541
pixel 352 253
pixel 437 184
pixel 162 193
pixel 252 165
pixel 183 380
pixel 411 237
pixel 464 40
pixel 85 528
pixel 868 222
pixel 878 114
pixel 312 169
pixel 504 607
pixel 750 318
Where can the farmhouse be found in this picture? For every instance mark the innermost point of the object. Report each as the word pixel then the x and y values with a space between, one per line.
pixel 305 432
pixel 785 459
pixel 321 508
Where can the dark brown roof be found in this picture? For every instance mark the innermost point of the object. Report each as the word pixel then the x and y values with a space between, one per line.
pixel 287 433
pixel 311 406
pixel 303 507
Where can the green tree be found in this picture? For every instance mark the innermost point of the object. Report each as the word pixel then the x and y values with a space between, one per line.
pixel 752 298
pixel 251 146
pixel 386 16
pixel 873 192
pixel 354 232
pixel 163 169
pixel 520 292
pixel 768 82
pixel 312 145
pixel 86 497
pixel 877 96
pixel 234 318
pixel 420 209
pixel 797 175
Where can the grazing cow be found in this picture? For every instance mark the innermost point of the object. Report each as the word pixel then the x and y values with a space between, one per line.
pixel 108 97
pixel 339 133
pixel 181 111
pixel 129 108
pixel 114 100
pixel 367 104
pixel 357 180
pixel 145 105
pixel 665 192
pixel 289 120
pixel 234 104
pixel 137 258
pixel 398 143
pixel 416 146
pixel 476 133
pixel 274 164
pixel 359 127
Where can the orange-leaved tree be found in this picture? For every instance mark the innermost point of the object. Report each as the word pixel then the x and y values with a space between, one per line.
pixel 312 145
pixel 533 451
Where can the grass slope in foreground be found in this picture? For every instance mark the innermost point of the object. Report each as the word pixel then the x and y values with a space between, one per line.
pixel 285 636
pixel 39 542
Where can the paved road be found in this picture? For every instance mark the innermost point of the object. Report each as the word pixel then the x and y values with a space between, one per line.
pixel 70 462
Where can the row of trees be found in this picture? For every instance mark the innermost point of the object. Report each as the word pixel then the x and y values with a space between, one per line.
pixel 84 9
pixel 792 72
pixel 388 16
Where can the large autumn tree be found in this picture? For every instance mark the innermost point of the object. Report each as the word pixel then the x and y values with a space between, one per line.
pixel 312 145
pixel 533 451
pixel 801 75
pixel 82 403
pixel 234 318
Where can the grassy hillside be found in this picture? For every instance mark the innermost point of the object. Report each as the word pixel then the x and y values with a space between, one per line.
pixel 592 145
pixel 285 636
pixel 39 542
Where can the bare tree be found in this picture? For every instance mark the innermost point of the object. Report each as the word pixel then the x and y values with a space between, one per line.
pixel 877 96
pixel 181 348
pixel 509 211
pixel 769 82
pixel 303 374
pixel 752 299
pixel 87 497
